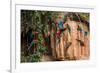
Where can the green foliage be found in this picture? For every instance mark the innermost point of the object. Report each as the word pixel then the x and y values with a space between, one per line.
pixel 40 39
pixel 41 49
pixel 84 16
pixel 75 18
pixel 36 57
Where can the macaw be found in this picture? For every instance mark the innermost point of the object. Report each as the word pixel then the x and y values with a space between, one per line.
pixel 61 28
pixel 30 36
pixel 60 25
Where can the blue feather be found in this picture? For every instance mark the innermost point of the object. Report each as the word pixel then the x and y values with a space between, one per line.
pixel 60 25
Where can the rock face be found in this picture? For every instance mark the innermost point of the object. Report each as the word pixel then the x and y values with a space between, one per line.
pixel 73 43
pixel 73 51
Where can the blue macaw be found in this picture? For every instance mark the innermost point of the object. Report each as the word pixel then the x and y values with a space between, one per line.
pixel 30 37
pixel 60 25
